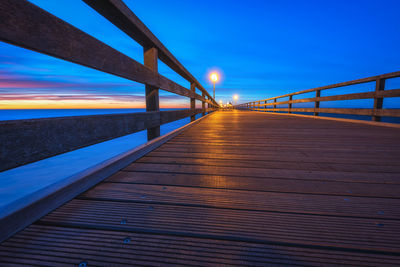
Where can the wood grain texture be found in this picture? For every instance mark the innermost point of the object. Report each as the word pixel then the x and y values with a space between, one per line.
pixel 237 188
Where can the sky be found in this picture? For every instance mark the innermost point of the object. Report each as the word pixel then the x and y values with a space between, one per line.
pixel 262 49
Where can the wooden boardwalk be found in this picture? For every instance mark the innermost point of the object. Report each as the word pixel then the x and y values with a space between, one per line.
pixel 238 188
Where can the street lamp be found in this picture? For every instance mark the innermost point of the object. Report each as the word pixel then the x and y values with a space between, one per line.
pixel 235 98
pixel 214 78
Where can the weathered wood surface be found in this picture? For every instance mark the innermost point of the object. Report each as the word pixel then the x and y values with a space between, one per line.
pixel 238 188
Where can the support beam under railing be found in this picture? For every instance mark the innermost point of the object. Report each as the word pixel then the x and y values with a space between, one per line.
pixel 152 97
pixel 316 103
pixel 378 101
pixel 192 101
pixel 203 104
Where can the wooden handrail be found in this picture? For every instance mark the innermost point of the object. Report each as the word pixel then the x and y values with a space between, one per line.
pixel 26 141
pixel 121 16
pixel 376 112
pixel 27 25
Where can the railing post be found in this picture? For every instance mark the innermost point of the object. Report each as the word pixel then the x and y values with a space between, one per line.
pixel 192 102
pixel 274 105
pixel 150 55
pixel 203 104
pixel 290 104
pixel 316 104
pixel 378 101
pixel 265 105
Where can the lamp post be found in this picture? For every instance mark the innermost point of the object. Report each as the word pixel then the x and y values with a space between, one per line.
pixel 235 98
pixel 214 79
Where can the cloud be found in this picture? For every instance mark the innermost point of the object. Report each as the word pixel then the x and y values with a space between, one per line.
pixel 15 81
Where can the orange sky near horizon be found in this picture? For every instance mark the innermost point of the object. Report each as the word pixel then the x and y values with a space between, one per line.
pixel 79 104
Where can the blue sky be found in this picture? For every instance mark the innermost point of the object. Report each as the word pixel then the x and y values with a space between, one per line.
pixel 263 48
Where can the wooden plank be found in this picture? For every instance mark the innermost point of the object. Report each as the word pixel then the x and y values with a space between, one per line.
pixel 250 184
pixel 368 235
pixel 267 173
pixel 333 205
pixel 102 248
pixel 389 155
pixel 306 149
pixel 273 163
pixel 292 162
pixel 23 25
pixel 25 141
pixel 122 17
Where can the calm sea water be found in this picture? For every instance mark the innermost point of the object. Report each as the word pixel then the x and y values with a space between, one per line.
pixel 20 114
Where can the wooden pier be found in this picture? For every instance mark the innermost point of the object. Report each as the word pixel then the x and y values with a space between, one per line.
pixel 237 188
pixel 255 184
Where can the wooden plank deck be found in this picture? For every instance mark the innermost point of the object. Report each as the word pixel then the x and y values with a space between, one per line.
pixel 238 188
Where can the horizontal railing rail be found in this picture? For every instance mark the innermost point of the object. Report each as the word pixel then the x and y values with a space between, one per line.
pixel 377 111
pixel 26 141
pixel 26 25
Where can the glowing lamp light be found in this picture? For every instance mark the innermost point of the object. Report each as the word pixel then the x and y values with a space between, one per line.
pixel 214 77
pixel 235 97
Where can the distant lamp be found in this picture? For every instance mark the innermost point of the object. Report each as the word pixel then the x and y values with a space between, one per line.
pixel 214 78
pixel 235 97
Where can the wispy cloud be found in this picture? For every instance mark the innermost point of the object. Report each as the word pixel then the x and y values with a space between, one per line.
pixel 24 91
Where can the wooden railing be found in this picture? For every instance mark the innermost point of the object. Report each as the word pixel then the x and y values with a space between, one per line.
pixel 28 26
pixel 376 112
